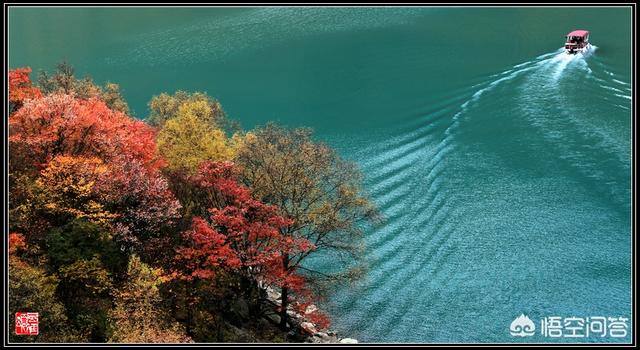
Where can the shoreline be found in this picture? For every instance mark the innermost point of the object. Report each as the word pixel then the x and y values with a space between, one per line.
pixel 303 329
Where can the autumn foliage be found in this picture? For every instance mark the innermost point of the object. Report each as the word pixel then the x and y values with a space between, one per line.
pixel 86 188
pixel 121 194
pixel 242 233
pixel 114 219
pixel 21 88
pixel 16 242
pixel 60 124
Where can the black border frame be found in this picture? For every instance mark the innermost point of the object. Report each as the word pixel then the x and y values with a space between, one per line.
pixel 6 330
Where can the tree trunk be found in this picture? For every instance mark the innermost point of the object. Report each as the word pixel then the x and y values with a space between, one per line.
pixel 252 291
pixel 284 295
pixel 190 323
pixel 283 308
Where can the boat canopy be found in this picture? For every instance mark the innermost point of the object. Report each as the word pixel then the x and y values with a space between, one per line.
pixel 579 33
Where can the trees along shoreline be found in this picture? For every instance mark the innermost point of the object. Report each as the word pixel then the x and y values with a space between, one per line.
pixel 184 211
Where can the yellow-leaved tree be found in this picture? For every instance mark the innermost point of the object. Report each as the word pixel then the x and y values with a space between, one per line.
pixel 66 190
pixel 164 107
pixel 193 136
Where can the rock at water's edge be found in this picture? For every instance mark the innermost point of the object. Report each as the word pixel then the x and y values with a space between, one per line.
pixel 348 341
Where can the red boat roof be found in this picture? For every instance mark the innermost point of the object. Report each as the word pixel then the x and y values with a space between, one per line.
pixel 579 33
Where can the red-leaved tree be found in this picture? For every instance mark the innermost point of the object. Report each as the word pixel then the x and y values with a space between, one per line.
pixel 241 234
pixel 21 88
pixel 60 124
pixel 91 162
pixel 144 202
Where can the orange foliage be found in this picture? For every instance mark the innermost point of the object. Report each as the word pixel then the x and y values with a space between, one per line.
pixel 121 194
pixel 20 87
pixel 16 242
pixel 60 124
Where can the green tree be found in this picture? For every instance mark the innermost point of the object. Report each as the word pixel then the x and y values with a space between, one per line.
pixel 32 290
pixel 138 316
pixel 85 288
pixel 81 239
pixel 315 188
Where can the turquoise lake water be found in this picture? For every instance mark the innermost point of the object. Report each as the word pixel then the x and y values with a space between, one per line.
pixel 501 165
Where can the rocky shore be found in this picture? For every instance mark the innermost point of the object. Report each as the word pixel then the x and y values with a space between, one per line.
pixel 302 330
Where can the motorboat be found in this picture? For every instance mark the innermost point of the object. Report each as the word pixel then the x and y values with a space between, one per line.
pixel 577 42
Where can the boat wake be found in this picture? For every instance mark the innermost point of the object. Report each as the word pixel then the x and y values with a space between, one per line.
pixel 534 108
pixel 586 144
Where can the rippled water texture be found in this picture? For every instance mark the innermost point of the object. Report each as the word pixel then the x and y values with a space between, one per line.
pixel 502 165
